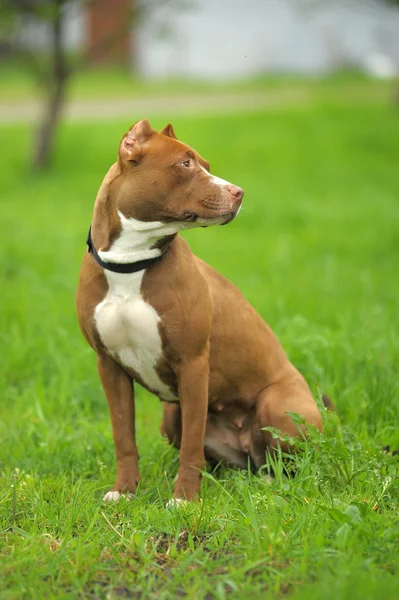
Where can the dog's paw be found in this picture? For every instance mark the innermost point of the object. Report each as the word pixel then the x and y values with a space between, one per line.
pixel 177 503
pixel 269 479
pixel 115 496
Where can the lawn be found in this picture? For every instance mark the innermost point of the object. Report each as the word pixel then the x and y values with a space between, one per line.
pixel 315 250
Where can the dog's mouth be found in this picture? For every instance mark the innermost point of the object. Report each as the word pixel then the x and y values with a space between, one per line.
pixel 197 220
pixel 232 215
pixel 223 219
pixel 228 217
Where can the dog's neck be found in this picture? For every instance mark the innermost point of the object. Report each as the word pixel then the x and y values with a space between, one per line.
pixel 138 240
pixel 123 240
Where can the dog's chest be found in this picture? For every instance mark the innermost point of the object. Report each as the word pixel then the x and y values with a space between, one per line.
pixel 128 327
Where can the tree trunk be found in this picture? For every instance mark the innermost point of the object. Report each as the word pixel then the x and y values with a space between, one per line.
pixel 55 90
pixel 45 133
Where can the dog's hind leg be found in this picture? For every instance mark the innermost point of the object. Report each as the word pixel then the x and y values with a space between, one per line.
pixel 274 403
pixel 171 426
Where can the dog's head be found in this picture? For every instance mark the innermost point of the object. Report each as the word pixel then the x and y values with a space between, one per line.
pixel 164 180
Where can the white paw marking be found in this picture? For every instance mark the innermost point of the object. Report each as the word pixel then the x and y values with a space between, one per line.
pixel 114 496
pixel 269 479
pixel 177 503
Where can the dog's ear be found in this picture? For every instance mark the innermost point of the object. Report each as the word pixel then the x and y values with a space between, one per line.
pixel 169 131
pixel 132 141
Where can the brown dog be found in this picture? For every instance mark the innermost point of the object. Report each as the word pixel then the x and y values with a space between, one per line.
pixel 156 314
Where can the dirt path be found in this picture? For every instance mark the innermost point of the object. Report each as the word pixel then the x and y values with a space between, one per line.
pixel 211 102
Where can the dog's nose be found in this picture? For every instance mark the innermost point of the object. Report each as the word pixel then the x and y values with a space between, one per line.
pixel 237 192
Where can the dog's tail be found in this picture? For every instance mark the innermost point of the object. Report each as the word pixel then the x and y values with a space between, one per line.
pixel 328 403
pixel 388 450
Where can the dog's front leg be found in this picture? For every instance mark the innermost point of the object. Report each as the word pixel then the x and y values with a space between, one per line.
pixel 119 391
pixel 193 396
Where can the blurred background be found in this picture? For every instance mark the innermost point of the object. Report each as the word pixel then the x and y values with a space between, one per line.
pixel 68 56
pixel 294 100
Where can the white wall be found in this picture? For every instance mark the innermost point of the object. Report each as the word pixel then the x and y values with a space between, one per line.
pixel 235 38
pixel 223 39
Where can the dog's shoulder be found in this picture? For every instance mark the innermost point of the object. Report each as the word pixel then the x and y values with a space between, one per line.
pixel 92 289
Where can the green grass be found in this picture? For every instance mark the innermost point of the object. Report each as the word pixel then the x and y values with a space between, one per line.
pixel 315 250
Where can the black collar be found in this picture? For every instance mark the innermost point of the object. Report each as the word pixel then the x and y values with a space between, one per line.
pixel 119 267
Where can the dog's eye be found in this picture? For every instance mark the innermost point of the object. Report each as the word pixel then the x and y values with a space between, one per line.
pixel 185 163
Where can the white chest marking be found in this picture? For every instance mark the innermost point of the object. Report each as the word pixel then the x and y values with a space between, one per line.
pixel 128 327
